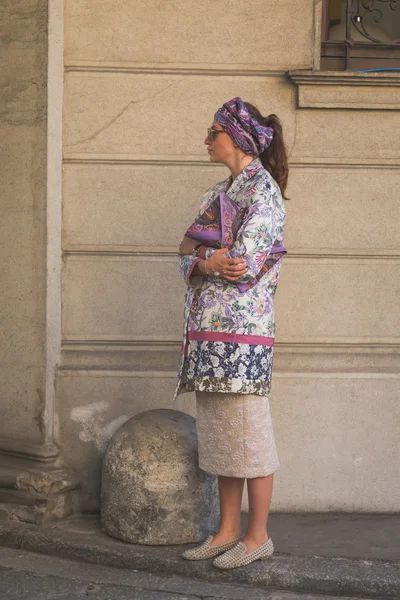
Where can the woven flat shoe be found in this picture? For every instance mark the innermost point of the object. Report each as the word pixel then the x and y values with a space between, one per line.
pixel 204 550
pixel 235 557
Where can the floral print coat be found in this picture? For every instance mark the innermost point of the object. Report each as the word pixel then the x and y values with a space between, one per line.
pixel 229 335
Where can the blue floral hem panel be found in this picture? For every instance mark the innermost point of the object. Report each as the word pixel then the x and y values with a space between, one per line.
pixel 241 363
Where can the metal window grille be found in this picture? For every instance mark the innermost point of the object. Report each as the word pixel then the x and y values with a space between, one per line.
pixel 360 39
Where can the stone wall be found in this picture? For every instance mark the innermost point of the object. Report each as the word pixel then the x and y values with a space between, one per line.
pixel 142 82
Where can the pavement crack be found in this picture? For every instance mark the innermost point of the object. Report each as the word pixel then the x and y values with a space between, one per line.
pixel 6 569
pixel 21 540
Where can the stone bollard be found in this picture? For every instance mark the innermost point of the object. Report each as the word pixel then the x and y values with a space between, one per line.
pixel 153 491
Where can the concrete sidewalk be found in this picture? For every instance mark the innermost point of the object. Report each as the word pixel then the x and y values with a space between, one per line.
pixel 346 554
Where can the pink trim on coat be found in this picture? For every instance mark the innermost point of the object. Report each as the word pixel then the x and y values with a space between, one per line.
pixel 238 338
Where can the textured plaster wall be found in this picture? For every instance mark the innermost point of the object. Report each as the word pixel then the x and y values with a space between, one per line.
pixel 23 70
pixel 142 83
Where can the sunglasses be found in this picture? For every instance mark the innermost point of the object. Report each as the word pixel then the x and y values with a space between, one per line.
pixel 212 133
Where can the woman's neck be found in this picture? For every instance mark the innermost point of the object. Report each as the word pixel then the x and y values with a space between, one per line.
pixel 236 164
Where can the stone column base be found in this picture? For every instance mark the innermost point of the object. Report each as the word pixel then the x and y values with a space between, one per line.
pixel 36 492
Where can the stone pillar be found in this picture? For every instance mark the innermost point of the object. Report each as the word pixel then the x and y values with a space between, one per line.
pixel 153 491
pixel 30 253
pixel 23 227
pixel 34 486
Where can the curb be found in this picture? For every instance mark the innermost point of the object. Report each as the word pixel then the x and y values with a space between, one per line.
pixel 312 574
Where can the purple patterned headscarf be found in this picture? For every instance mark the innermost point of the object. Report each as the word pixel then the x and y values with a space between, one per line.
pixel 243 128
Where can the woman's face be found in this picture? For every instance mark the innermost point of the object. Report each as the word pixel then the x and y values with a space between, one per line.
pixel 222 147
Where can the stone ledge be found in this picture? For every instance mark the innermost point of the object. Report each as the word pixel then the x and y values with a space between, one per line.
pixel 346 90
pixel 313 574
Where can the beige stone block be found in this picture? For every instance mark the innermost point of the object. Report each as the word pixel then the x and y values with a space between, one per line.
pixel 337 441
pixel 343 209
pixel 132 205
pixel 341 134
pixel 276 35
pixel 328 300
pixel 122 297
pixel 106 205
pixel 134 298
pixel 91 406
pixel 153 115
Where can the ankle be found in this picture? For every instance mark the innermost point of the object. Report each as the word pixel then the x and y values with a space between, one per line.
pixel 256 538
pixel 229 532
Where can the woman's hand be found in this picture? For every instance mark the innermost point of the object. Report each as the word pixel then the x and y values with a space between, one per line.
pixel 187 245
pixel 230 269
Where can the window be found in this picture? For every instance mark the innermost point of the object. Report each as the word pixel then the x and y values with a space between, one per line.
pixel 360 34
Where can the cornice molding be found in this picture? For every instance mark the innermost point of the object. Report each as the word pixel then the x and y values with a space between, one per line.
pixel 201 70
pixel 346 90
pixel 141 357
pixel 328 345
pixel 278 374
pixel 168 251
pixel 115 159
pixel 346 78
pixel 190 161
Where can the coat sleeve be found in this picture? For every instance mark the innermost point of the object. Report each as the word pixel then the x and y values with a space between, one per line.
pixel 186 266
pixel 262 224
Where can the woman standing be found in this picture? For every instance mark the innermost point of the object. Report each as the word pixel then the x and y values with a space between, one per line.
pixel 230 326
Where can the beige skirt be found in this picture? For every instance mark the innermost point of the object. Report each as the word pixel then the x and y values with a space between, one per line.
pixel 235 435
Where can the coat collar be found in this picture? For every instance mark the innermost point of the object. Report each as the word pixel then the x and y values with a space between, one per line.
pixel 248 172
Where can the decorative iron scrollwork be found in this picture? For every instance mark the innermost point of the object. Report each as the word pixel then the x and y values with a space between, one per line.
pixel 356 10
